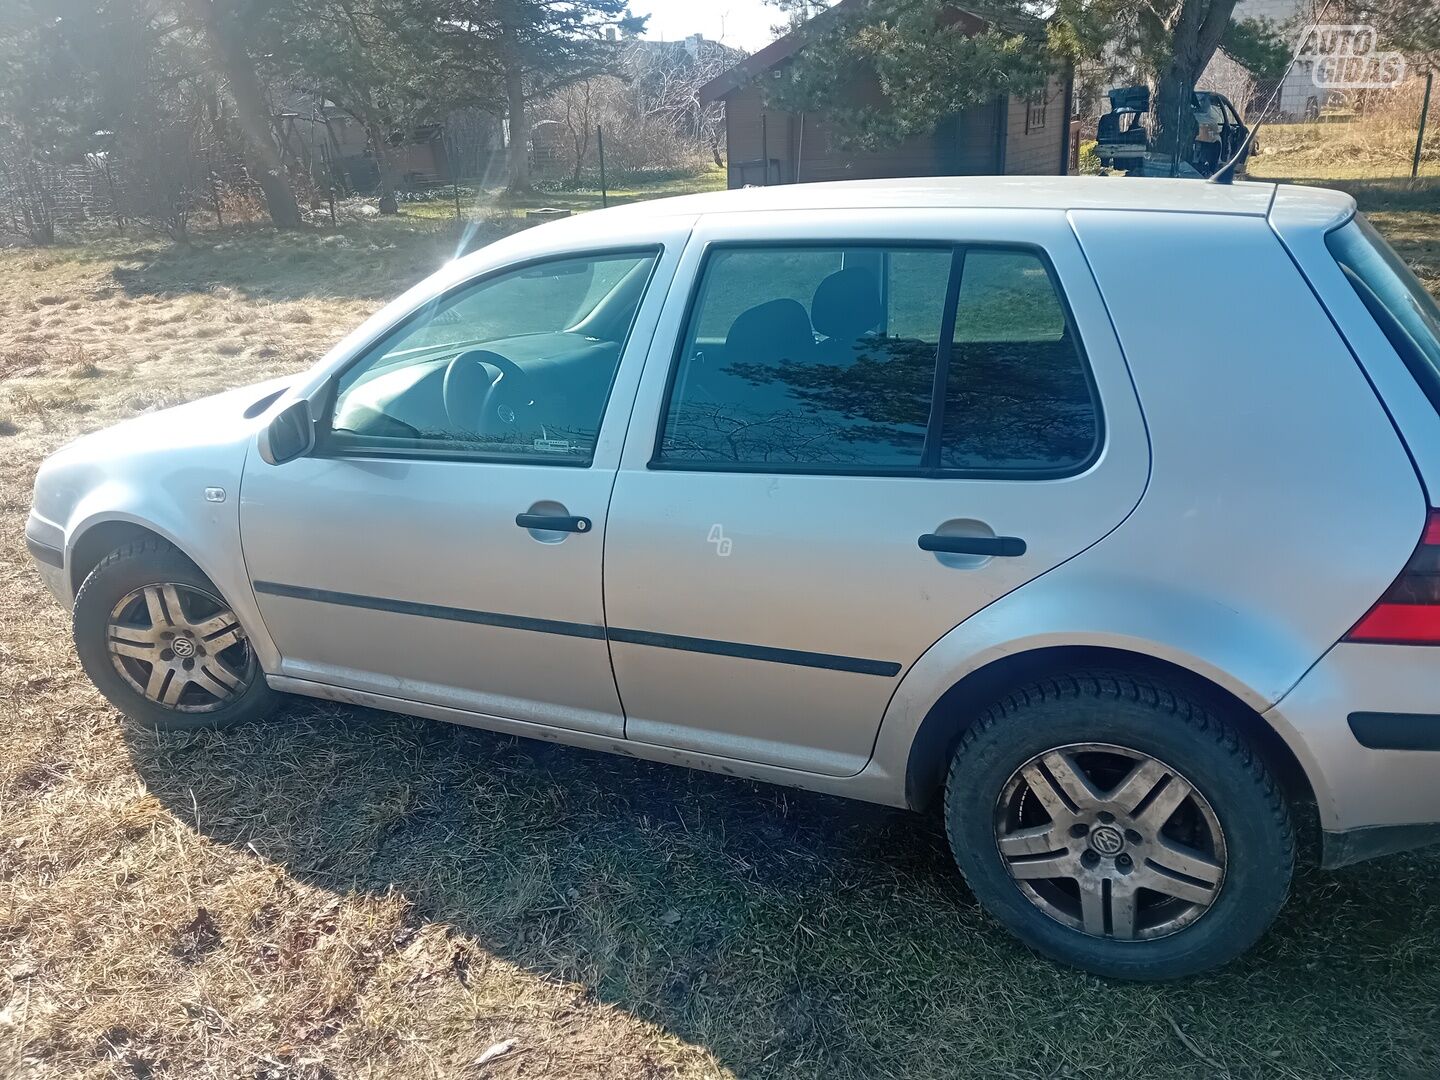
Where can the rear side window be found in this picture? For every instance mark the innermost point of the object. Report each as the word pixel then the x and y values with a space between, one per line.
pixel 921 360
pixel 1394 297
pixel 1017 393
pixel 801 358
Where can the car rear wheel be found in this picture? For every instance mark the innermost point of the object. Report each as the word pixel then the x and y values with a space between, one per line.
pixel 1117 825
pixel 158 640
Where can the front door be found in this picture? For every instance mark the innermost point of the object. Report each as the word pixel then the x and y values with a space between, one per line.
pixel 859 442
pixel 443 543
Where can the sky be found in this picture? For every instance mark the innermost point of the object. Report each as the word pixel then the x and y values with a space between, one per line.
pixel 744 24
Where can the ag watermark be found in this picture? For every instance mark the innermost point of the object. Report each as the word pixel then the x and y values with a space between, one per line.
pixel 723 544
pixel 1347 56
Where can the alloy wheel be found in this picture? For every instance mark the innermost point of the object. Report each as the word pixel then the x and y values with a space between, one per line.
pixel 180 647
pixel 1110 841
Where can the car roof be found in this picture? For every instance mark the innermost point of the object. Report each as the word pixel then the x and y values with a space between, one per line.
pixel 644 222
pixel 984 192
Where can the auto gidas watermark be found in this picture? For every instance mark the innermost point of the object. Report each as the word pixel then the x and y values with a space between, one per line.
pixel 1347 56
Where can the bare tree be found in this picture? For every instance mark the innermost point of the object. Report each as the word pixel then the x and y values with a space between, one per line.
pixel 650 109
pixel 576 107
pixel 30 186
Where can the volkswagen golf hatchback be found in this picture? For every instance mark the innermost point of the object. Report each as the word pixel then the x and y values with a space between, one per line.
pixel 929 493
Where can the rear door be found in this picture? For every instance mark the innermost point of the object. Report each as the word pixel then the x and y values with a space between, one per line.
pixel 848 439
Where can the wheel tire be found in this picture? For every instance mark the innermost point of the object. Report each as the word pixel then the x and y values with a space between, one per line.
pixel 1156 721
pixel 119 574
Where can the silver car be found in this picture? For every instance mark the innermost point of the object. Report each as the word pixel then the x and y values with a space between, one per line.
pixel 938 494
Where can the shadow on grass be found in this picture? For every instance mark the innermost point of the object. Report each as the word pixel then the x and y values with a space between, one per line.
pixel 787 933
pixel 372 260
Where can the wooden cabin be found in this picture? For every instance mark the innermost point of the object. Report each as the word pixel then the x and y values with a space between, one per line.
pixel 1005 137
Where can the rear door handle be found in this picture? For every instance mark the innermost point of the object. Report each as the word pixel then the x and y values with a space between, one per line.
pixel 1008 547
pixel 553 523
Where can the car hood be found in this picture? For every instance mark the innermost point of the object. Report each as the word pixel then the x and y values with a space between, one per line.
pixel 220 418
pixel 201 443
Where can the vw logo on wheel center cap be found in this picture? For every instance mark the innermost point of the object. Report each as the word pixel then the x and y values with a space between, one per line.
pixel 183 647
pixel 1107 841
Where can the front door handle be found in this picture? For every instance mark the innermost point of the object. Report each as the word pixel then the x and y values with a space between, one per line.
pixel 1008 547
pixel 553 523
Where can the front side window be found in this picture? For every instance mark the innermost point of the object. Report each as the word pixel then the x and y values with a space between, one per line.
pixel 836 359
pixel 515 367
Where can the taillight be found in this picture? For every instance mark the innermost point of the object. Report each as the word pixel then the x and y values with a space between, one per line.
pixel 1409 612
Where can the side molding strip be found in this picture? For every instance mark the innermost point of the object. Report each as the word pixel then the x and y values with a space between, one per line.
pixel 828 661
pixel 799 658
pixel 432 611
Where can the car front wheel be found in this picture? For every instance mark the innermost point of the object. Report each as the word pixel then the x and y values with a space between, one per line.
pixel 158 640
pixel 1117 825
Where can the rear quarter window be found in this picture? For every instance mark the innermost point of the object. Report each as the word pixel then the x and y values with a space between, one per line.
pixel 1395 298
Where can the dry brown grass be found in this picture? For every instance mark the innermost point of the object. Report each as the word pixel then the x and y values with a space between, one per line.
pixel 342 893
pixel 1366 136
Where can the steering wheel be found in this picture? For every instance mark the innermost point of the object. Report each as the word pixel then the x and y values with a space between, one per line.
pixel 478 400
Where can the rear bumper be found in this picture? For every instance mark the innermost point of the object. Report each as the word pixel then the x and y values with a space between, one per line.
pixel 46 543
pixel 1365 726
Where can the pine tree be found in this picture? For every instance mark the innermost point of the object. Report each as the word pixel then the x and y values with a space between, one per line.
pixel 534 47
pixel 923 61
pixel 890 69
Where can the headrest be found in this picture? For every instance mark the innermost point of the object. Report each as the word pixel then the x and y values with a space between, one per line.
pixel 770 332
pixel 847 304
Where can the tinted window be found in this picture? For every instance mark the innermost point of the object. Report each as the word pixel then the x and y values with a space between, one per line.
pixel 1017 397
pixel 816 357
pixel 516 366
pixel 1395 298
pixel 824 359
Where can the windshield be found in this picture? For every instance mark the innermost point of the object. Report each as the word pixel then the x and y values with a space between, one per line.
pixel 1395 298
pixel 549 298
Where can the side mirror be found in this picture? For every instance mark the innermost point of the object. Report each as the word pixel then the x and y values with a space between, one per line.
pixel 289 436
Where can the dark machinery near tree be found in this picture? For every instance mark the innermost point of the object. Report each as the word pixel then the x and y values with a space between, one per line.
pixel 1123 135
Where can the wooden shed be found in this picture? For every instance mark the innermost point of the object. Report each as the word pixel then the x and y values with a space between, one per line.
pixel 1007 136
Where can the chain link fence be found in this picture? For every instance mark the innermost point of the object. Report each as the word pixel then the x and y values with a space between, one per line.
pixel 1378 133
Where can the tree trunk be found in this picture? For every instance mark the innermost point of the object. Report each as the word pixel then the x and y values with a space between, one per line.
pixel 1195 31
pixel 581 138
pixel 518 152
pixel 388 204
pixel 251 112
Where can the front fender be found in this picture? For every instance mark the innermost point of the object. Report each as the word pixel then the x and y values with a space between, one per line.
pixel 177 510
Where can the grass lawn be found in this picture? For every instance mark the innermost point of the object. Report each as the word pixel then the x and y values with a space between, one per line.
pixel 347 894
pixel 493 201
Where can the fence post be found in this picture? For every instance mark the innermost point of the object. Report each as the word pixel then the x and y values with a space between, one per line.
pixel 765 148
pixel 450 163
pixel 1424 118
pixel 209 176
pixel 600 147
